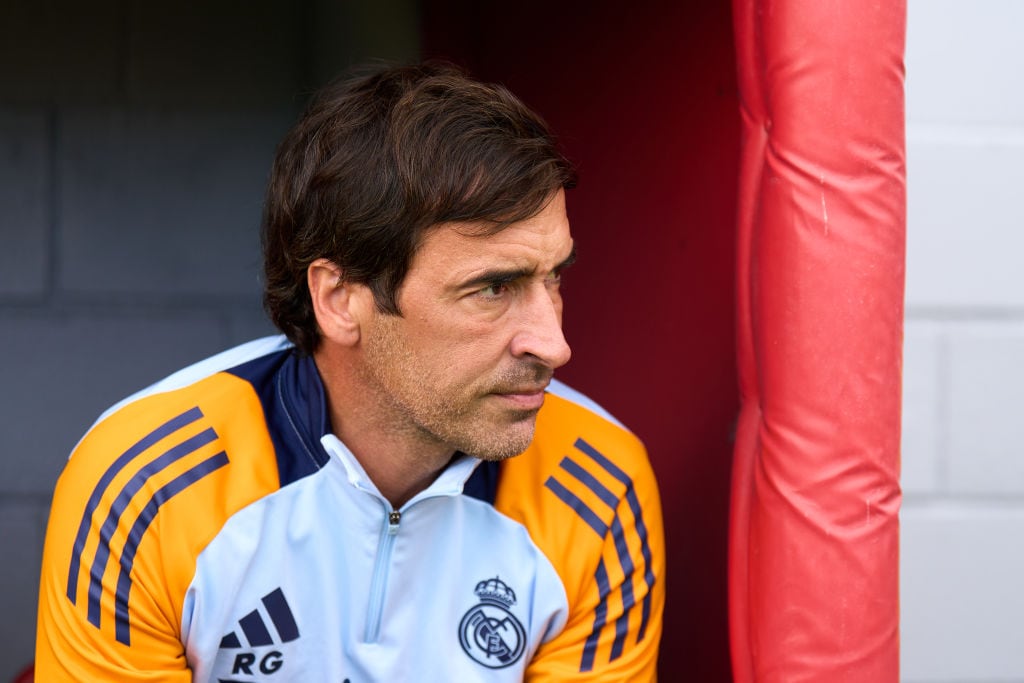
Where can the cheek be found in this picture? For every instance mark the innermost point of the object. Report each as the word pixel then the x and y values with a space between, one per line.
pixel 454 336
pixel 464 350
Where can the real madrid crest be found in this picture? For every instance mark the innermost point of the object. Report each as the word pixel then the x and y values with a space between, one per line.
pixel 488 632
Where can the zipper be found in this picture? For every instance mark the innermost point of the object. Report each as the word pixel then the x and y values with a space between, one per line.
pixel 381 569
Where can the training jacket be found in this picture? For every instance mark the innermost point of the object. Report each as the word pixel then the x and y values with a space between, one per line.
pixel 212 528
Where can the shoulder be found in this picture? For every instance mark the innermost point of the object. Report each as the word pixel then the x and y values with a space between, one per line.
pixel 205 408
pixel 586 493
pixel 225 360
pixel 572 426
pixel 153 481
pixel 578 398
pixel 585 469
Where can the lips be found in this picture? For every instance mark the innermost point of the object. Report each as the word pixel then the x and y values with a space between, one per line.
pixel 523 399
pixel 523 389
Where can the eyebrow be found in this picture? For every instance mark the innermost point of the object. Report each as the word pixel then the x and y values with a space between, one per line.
pixel 498 276
pixel 491 277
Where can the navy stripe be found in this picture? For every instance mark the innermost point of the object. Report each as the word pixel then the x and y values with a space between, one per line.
pixel 124 498
pixel 281 615
pixel 645 550
pixel 603 461
pixel 628 599
pixel 255 630
pixel 641 528
pixel 139 528
pixel 169 427
pixel 600 614
pixel 645 615
pixel 621 548
pixel 590 481
pixel 578 505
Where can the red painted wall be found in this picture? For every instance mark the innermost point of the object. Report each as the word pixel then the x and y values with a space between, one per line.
pixel 643 97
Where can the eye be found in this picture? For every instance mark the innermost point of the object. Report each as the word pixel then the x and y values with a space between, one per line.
pixel 554 278
pixel 494 290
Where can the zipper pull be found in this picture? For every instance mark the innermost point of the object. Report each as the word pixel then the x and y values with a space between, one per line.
pixel 394 518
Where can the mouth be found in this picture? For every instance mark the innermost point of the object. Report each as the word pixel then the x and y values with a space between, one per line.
pixel 523 398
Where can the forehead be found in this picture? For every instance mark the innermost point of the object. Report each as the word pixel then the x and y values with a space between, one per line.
pixel 454 250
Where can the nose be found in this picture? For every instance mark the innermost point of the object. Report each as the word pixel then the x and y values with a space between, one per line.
pixel 539 329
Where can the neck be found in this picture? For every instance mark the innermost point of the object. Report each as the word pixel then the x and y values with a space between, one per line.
pixel 400 462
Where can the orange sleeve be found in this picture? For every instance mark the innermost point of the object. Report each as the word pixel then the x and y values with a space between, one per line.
pixel 142 495
pixel 587 494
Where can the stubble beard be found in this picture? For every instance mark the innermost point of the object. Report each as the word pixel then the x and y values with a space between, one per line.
pixel 465 418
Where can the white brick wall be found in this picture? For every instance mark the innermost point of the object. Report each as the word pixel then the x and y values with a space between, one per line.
pixel 962 564
pixel 961 592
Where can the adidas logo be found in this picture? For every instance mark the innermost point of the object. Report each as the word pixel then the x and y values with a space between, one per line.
pixel 255 632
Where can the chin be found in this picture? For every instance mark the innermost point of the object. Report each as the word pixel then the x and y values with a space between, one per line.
pixel 498 456
pixel 498 444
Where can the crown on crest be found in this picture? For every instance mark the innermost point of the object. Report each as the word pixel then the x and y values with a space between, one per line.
pixel 495 590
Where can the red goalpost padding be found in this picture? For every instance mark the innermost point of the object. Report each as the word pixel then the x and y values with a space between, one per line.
pixel 814 532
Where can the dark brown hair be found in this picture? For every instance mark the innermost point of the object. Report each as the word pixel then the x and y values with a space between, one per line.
pixel 381 157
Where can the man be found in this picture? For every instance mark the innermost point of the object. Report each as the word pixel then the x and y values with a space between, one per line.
pixel 397 490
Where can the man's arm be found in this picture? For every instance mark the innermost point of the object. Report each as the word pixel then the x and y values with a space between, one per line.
pixel 615 625
pixel 143 494
pixel 87 629
pixel 587 494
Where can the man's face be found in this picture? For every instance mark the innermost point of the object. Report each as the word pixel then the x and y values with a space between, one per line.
pixel 480 334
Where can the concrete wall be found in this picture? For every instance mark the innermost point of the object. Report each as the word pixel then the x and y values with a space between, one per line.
pixel 135 142
pixel 963 470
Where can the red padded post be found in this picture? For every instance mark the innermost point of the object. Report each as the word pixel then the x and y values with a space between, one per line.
pixel 814 534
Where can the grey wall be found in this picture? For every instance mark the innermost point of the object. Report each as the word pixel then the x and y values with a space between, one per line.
pixel 135 141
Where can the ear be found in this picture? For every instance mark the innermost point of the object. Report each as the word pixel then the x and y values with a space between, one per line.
pixel 340 307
